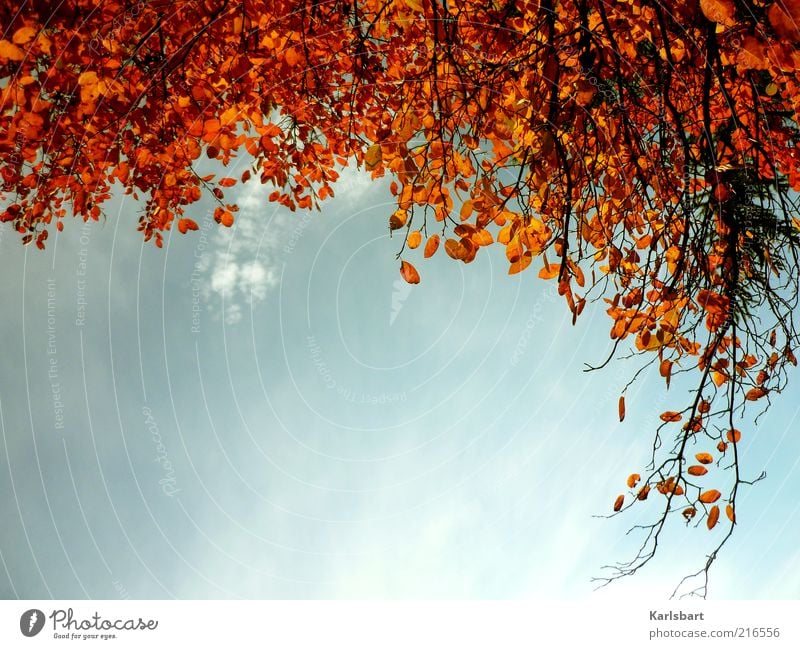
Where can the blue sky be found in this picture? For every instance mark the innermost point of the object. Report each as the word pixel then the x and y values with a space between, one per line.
pixel 270 412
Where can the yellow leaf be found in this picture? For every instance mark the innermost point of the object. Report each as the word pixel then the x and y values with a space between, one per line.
pixel 414 239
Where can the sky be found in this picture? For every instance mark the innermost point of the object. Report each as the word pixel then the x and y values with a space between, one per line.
pixel 270 412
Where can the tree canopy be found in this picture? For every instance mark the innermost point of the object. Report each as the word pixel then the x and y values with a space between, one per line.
pixel 642 154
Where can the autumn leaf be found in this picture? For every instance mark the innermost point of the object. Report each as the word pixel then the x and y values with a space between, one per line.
pixel 719 11
pixel 633 480
pixel 373 157
pixel 398 219
pixel 713 517
pixel 10 52
pixel 186 224
pixel 621 408
pixel 455 249
pixel 409 273
pixel 729 513
pixel 223 217
pixel 704 458
pixel 619 502
pixel 431 246
pixel 670 416
pixel 696 470
pixel 414 239
pixel 23 35
pixel 755 393
pixel 710 496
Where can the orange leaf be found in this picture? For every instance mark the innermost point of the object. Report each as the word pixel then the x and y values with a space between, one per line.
pixel 704 458
pixel 432 246
pixel 633 479
pixel 719 11
pixel 755 393
pixel 373 157
pixel 398 219
pixel 482 238
pixel 621 408
pixel 227 182
pixel 710 496
pixel 23 35
pixel 550 271
pixel 187 224
pixel 670 415
pixel 409 273
pixel 642 495
pixel 734 436
pixel 729 513
pixel 713 517
pixel 223 216
pixel 696 469
pixel 619 502
pixel 455 248
pixel 10 52
pixel 292 57
pixel 521 264
pixel 722 447
pixel 414 239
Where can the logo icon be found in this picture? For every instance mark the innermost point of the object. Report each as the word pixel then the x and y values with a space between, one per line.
pixel 399 295
pixel 31 622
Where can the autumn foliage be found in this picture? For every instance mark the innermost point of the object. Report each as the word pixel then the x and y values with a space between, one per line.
pixel 642 154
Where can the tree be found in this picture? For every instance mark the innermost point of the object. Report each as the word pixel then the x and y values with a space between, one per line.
pixel 645 152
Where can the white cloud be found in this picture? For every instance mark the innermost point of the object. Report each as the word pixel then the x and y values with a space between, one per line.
pixel 243 263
